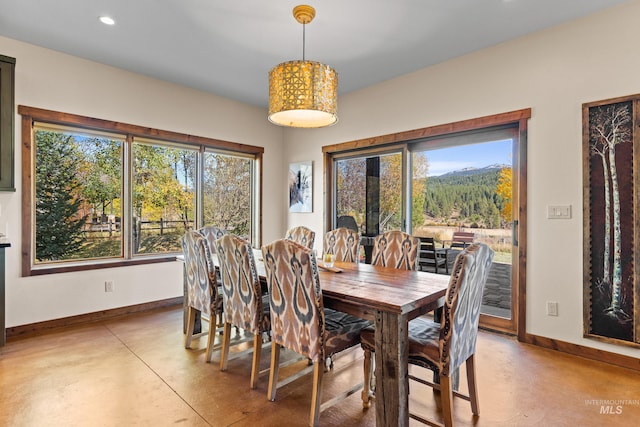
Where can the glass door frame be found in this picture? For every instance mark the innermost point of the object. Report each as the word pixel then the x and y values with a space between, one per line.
pixel 402 140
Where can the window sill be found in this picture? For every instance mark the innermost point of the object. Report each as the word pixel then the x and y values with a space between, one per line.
pixel 96 265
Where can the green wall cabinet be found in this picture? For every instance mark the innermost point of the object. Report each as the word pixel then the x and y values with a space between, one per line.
pixel 7 68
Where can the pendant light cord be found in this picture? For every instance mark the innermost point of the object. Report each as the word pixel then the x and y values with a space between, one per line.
pixel 304 26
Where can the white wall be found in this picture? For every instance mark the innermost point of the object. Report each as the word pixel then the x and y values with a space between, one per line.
pixel 553 72
pixel 52 80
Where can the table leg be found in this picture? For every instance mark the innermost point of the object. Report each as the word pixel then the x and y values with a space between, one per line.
pixel 392 379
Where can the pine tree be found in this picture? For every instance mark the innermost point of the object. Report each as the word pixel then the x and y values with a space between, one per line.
pixel 58 224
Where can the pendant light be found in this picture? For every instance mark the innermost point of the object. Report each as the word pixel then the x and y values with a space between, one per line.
pixel 303 94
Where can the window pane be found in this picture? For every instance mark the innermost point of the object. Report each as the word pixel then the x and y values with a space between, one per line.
pixel 163 197
pixel 469 188
pixel 351 192
pixel 383 189
pixel 227 192
pixel 78 192
pixel 390 192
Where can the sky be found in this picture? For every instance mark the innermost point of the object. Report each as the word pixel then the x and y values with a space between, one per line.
pixel 445 160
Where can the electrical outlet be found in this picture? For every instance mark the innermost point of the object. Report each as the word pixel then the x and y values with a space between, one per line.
pixel 552 308
pixel 108 286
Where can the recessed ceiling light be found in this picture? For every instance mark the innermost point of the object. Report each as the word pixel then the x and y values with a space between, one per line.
pixel 107 20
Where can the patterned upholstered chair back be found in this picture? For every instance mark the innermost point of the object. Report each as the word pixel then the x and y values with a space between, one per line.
pixel 297 311
pixel 395 249
pixel 202 288
pixel 241 290
pixel 211 233
pixel 303 235
pixel 461 311
pixel 343 243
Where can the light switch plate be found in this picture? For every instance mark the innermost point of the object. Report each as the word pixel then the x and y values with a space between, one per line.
pixel 559 211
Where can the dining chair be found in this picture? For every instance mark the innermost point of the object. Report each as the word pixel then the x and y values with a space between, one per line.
pixel 242 296
pixel 395 249
pixel 343 243
pixel 299 321
pixel 202 294
pixel 212 233
pixel 444 347
pixel 301 234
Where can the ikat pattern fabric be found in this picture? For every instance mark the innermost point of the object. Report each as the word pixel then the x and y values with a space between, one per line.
pixel 343 243
pixel 395 249
pixel 299 321
pixel 444 347
pixel 241 290
pixel 211 233
pixel 202 287
pixel 303 235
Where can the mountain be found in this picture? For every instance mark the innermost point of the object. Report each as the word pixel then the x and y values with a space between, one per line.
pixel 474 171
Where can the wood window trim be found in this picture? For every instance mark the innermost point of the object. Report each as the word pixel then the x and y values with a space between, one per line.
pixel 30 115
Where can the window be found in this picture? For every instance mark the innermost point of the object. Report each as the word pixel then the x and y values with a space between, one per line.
pixel 369 189
pixel 164 196
pixel 110 194
pixel 78 188
pixel 227 180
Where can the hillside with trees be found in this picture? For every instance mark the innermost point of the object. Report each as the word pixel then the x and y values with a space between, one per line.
pixel 474 198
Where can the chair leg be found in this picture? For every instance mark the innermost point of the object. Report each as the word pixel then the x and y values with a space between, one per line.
pixel 316 395
pixel 446 395
pixel 224 352
pixel 191 321
pixel 255 366
pixel 471 382
pixel 213 325
pixel 366 389
pixel 273 372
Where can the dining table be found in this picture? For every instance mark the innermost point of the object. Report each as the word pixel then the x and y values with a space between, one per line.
pixel 390 298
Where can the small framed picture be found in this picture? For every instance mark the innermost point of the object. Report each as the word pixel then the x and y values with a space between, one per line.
pixel 301 187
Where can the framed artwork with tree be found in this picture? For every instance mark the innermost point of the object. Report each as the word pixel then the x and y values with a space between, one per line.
pixel 611 222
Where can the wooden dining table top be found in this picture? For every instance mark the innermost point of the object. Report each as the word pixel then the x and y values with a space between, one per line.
pixel 375 288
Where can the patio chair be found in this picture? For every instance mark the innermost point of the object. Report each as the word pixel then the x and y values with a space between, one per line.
pixel 242 295
pixel 303 235
pixel 460 239
pixel 343 243
pixel 429 256
pixel 299 321
pixel 347 221
pixel 444 347
pixel 395 249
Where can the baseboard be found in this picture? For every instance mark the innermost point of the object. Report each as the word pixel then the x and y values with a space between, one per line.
pixel 586 352
pixel 40 327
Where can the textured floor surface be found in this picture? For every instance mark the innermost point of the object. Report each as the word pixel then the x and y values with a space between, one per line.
pixel 134 371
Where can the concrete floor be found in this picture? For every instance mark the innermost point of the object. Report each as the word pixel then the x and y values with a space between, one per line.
pixel 135 371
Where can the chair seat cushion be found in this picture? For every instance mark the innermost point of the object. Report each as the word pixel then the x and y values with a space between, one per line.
pixel 424 336
pixel 424 342
pixel 342 331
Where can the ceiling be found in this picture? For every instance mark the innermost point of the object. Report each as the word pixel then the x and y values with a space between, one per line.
pixel 228 47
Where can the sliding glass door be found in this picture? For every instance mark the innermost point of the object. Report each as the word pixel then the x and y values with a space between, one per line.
pixel 468 188
pixel 467 181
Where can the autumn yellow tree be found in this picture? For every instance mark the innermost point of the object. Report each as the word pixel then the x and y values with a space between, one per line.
pixel 504 188
pixel 420 167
